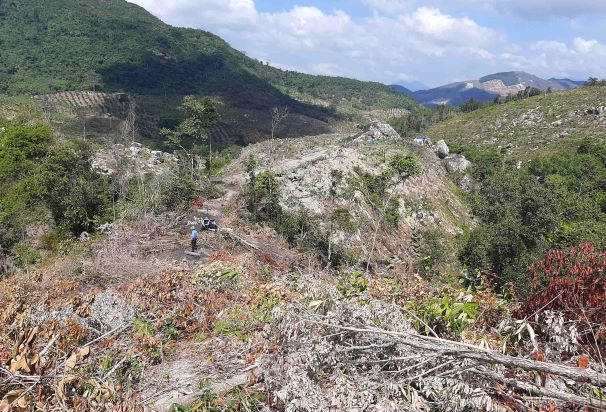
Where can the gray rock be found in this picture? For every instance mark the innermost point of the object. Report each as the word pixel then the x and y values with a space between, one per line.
pixel 106 228
pixel 466 183
pixel 112 310
pixel 597 111
pixel 380 131
pixel 423 141
pixel 442 149
pixel 456 163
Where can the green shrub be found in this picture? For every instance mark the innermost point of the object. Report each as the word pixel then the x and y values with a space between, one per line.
pixel 485 162
pixel 405 166
pixel 38 173
pixel 343 219
pixel 24 255
pixel 557 202
pixel 516 216
pixel 444 314
pixel 355 284
pixel 430 247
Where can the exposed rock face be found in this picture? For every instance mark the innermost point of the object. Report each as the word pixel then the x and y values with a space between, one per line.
pixel 498 87
pixel 144 159
pixel 442 149
pixel 379 131
pixel 456 163
pixel 596 111
pixel 325 173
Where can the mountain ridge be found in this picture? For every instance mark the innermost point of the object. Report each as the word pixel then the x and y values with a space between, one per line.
pixel 487 88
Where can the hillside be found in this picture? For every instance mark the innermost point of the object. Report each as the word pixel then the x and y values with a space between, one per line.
pixel 115 46
pixel 488 87
pixel 537 124
pixel 332 279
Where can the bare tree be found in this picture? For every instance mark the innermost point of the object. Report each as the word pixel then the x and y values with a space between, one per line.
pixel 277 116
pixel 130 131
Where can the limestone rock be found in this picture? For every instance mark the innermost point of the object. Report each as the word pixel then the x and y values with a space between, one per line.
pixel 456 163
pixel 142 158
pixel 466 183
pixel 106 228
pixel 442 149
pixel 112 310
pixel 379 131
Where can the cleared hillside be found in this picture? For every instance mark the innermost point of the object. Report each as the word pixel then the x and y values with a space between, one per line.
pixel 538 124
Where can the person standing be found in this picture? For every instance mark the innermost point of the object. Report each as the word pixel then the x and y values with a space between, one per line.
pixel 194 239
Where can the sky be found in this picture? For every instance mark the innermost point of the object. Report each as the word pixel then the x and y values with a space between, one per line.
pixel 406 41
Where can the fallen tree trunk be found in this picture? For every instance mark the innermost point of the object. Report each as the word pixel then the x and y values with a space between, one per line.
pixel 466 351
pixel 538 391
pixel 231 235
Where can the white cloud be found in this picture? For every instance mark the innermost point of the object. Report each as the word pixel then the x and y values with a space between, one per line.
pixel 577 60
pixel 543 9
pixel 585 46
pixel 432 23
pixel 421 43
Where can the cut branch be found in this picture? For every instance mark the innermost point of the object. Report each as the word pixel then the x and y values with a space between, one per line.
pixel 466 351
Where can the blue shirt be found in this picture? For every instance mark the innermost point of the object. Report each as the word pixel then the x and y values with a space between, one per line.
pixel 194 234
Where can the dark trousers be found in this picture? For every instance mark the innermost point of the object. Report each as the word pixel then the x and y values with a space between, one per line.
pixel 194 244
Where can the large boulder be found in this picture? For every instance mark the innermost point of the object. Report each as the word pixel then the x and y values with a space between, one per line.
pixel 456 163
pixel 442 149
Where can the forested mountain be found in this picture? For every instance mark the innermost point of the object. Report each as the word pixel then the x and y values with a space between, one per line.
pixel 116 46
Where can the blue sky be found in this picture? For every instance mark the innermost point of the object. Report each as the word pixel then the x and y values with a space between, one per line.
pixel 405 41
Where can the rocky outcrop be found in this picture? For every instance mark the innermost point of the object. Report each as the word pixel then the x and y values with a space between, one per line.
pixel 595 111
pixel 456 163
pixel 379 131
pixel 442 149
pixel 143 159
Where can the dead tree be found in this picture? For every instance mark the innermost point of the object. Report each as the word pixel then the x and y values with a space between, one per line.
pixel 277 116
pixel 130 131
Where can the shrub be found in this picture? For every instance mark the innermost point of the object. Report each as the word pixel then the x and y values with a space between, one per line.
pixel 516 216
pixel 264 195
pixel 405 165
pixel 572 281
pixel 355 284
pixel 445 314
pixel 343 219
pixel 430 247
pixel 39 174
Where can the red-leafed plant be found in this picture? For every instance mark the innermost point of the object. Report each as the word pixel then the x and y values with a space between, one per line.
pixel 197 203
pixel 572 281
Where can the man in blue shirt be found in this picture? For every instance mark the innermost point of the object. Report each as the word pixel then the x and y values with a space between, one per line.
pixel 194 238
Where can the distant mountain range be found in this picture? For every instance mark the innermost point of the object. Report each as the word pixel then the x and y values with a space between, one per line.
pixel 485 88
